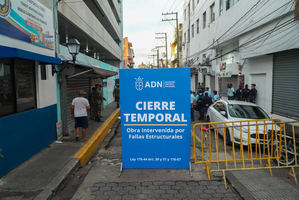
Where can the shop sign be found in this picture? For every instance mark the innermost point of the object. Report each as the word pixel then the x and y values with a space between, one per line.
pixel 224 70
pixel 155 118
pixel 27 20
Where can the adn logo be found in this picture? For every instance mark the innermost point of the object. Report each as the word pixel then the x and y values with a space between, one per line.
pixel 139 83
pixel 148 84
pixel 4 8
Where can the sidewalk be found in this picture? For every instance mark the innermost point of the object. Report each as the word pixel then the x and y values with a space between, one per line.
pixel 39 177
pixel 259 185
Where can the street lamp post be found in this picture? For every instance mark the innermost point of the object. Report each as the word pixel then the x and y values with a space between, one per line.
pixel 73 46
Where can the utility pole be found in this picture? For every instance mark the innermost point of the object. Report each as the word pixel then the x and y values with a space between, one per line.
pixel 177 31
pixel 154 55
pixel 165 38
pixel 158 47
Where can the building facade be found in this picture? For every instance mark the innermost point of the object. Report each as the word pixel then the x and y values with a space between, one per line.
pixel 128 53
pixel 28 100
pixel 174 61
pixel 38 76
pixel 244 42
pixel 97 25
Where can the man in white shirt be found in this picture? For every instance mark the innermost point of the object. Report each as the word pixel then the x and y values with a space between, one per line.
pixel 80 105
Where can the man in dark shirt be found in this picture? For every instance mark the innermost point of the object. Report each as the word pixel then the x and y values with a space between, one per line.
pixel 239 93
pixel 205 104
pixel 245 93
pixel 252 94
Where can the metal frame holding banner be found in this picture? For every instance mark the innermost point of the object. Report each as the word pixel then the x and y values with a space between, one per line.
pixel 155 118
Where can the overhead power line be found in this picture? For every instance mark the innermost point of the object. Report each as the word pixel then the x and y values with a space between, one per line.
pixel 228 30
pixel 286 23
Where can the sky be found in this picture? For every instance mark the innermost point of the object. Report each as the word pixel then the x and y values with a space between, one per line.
pixel 142 19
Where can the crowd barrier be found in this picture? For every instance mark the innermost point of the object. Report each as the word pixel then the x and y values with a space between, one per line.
pixel 245 145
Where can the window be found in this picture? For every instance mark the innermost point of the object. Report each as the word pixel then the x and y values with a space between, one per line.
pixel 204 20
pixel 17 93
pixel 188 35
pixel 193 5
pixel 185 38
pixel 226 4
pixel 221 7
pixel 197 1
pixel 247 112
pixel 43 72
pixel 7 97
pixel 219 107
pixel 212 13
pixel 192 29
pixel 25 85
pixel 185 14
pixel 197 26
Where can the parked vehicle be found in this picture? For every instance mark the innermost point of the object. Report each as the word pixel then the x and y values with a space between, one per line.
pixel 234 111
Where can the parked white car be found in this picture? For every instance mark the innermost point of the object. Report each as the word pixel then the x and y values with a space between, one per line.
pixel 232 111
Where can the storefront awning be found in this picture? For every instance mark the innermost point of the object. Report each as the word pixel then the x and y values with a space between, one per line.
pixel 9 52
pixel 102 73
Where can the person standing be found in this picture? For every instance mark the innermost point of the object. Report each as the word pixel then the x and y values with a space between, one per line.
pixel 230 92
pixel 252 94
pixel 207 91
pixel 80 105
pixel 205 104
pixel 245 93
pixel 216 97
pixel 93 104
pixel 200 87
pixel 239 93
pixel 193 101
pixel 116 94
pixel 99 102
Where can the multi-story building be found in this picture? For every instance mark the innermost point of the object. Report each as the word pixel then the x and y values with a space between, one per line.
pixel 97 25
pixel 39 79
pixel 27 85
pixel 174 61
pixel 128 53
pixel 244 42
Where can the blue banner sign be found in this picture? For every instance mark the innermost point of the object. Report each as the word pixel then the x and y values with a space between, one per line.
pixel 155 118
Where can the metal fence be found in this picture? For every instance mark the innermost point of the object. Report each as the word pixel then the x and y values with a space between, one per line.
pixel 245 145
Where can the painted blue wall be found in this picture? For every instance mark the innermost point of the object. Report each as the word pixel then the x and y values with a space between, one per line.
pixel 25 134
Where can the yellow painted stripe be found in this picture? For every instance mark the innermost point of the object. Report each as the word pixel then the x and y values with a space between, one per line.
pixel 155 124
pixel 88 149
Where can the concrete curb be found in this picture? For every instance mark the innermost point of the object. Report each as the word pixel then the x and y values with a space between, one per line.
pixel 80 158
pixel 86 152
pixel 239 187
pixel 57 181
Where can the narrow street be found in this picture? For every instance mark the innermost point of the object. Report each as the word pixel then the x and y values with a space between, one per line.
pixel 100 99
pixel 102 180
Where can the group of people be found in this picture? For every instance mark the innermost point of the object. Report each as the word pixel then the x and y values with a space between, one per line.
pixel 201 101
pixel 80 106
pixel 242 94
